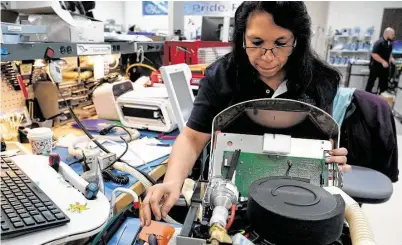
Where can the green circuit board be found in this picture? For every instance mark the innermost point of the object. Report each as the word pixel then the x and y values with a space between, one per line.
pixel 252 166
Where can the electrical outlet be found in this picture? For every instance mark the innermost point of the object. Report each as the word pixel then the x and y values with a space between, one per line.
pixel 106 160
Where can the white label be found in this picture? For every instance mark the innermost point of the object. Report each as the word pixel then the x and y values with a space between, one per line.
pixel 14 28
pixel 94 49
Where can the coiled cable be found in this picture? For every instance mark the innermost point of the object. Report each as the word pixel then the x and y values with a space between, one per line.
pixel 117 179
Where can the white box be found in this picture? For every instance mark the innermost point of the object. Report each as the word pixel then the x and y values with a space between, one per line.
pixel 86 30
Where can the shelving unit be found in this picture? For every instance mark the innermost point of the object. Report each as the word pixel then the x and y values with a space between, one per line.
pixel 348 51
pixel 345 49
pixel 30 51
pixel 78 95
pixel 340 65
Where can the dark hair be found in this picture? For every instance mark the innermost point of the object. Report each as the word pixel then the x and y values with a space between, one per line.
pixel 306 72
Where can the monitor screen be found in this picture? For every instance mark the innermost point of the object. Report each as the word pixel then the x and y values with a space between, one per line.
pixel 397 47
pixel 211 28
pixel 183 95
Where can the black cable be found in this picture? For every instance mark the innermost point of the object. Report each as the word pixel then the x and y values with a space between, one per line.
pixel 86 167
pixel 118 179
pixel 121 155
pixel 109 128
pixel 94 140
pixel 80 124
pixel 125 151
pixel 79 161
pixel 136 236
pixel 233 164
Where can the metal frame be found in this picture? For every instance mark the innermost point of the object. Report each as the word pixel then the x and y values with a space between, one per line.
pixel 30 51
pixel 321 118
pixel 349 73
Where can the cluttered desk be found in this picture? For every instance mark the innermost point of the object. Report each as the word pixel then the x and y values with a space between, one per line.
pixel 63 183
pixel 96 212
pixel 84 181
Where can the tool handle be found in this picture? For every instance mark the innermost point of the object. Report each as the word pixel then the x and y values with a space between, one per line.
pixel 54 161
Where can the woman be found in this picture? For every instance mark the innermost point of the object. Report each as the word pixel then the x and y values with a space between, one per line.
pixel 271 57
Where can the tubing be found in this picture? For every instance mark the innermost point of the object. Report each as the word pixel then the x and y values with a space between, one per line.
pixel 232 217
pixel 360 231
pixel 127 191
pixel 138 64
pixel 125 168
pixel 187 190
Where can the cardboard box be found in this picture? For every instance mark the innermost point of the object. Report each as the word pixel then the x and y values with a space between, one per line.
pixel 390 98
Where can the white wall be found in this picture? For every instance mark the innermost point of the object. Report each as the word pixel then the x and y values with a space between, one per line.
pixel 318 11
pixel 365 14
pixel 129 13
pixel 105 10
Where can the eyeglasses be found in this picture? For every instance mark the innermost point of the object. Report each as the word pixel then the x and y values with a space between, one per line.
pixel 277 51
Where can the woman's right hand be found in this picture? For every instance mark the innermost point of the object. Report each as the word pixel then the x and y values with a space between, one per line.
pixel 159 200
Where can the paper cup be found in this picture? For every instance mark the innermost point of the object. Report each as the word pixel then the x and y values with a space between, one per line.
pixel 40 140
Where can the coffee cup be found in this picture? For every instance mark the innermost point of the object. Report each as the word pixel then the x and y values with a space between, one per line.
pixel 40 140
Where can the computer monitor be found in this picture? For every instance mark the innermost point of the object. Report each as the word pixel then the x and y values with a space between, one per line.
pixel 177 81
pixel 211 28
pixel 397 47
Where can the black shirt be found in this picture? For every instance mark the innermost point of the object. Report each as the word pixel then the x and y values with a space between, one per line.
pixel 223 86
pixel 383 48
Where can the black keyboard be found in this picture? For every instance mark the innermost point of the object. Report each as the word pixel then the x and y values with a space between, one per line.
pixel 25 207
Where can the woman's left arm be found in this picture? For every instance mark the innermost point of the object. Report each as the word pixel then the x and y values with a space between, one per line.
pixel 339 156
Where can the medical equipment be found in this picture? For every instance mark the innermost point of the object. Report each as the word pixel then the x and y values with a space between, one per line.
pixel 105 96
pixel 147 108
pixel 271 180
pixel 177 81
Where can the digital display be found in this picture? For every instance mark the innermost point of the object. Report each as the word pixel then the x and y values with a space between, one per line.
pixel 397 47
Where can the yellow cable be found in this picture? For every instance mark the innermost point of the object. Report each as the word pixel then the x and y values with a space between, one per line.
pixel 138 64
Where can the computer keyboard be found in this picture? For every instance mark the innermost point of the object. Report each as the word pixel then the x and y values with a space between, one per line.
pixel 25 207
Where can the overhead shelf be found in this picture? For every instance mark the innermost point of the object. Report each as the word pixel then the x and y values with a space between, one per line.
pixel 339 65
pixel 349 51
pixel 30 51
pixel 354 36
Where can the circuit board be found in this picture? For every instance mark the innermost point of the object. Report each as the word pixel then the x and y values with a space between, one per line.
pixel 253 166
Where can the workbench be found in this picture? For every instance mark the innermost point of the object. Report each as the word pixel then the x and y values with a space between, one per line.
pixel 156 171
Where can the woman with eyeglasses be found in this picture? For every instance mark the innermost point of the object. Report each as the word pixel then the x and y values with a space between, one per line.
pixel 271 58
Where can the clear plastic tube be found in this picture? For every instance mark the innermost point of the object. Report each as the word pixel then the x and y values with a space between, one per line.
pixel 125 168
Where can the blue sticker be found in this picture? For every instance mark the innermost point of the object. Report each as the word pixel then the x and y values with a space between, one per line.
pixel 4 51
pixel 154 7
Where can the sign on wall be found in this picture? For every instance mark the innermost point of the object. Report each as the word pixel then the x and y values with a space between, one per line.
pixel 204 8
pixel 217 8
pixel 154 7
